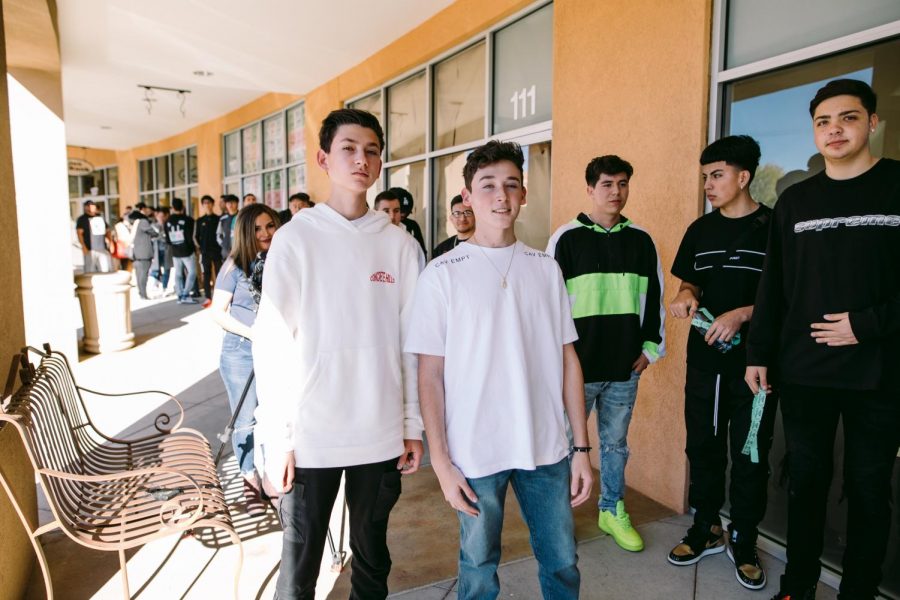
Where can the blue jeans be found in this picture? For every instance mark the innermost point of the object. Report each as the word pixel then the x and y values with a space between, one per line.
pixel 543 496
pixel 235 366
pixel 614 401
pixel 182 264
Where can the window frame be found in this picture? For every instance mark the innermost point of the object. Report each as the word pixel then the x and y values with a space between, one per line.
pixel 188 191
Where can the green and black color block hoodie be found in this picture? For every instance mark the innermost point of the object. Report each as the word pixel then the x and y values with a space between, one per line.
pixel 614 282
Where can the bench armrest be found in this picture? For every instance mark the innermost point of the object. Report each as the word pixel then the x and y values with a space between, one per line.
pixel 162 420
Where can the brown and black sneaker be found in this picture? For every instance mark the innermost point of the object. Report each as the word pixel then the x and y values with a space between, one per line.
pixel 701 540
pixel 747 568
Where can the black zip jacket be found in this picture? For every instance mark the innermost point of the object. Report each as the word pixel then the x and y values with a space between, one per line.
pixel 614 282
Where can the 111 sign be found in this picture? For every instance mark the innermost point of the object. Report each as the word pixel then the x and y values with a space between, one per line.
pixel 522 108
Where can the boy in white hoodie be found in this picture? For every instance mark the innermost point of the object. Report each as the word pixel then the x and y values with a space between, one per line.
pixel 336 394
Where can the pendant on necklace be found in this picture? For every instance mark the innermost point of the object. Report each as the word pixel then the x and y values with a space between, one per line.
pixel 503 283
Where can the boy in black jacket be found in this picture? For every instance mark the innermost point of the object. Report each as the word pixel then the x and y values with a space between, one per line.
pixel 719 263
pixel 614 282
pixel 828 316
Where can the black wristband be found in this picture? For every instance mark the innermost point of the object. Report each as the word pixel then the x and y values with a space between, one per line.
pixel 581 449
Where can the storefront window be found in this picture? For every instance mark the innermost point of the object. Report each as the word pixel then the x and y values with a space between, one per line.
pixel 267 158
pixel 101 186
pixel 407 118
pixel 759 29
pixel 439 112
pixel 523 71
pixel 459 98
pixel 168 176
pixel 774 109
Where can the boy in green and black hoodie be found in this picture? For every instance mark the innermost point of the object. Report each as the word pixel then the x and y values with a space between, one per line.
pixel 614 281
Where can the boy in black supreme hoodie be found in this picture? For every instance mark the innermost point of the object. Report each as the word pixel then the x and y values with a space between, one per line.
pixel 827 315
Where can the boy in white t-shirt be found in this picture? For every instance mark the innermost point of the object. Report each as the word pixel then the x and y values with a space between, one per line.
pixel 498 374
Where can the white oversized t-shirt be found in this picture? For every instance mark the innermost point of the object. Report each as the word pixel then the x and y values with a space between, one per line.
pixel 502 349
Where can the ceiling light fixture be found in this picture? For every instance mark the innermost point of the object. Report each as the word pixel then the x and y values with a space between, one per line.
pixel 149 96
pixel 202 73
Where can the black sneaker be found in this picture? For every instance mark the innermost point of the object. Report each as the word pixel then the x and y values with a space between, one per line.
pixel 701 540
pixel 747 568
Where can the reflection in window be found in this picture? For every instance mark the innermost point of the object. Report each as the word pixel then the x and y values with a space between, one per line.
pixel 406 124
pixel 412 177
pixel 372 104
pixel 533 224
pixel 459 98
pixel 523 71
pixel 774 109
pixel 448 183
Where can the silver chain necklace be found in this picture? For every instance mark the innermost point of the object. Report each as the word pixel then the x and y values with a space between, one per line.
pixel 508 267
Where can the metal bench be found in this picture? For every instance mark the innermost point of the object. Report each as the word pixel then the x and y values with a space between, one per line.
pixel 107 493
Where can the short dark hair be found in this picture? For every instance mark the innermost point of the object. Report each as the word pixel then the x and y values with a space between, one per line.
pixel 249 194
pixel 455 200
pixel 740 151
pixel 207 198
pixel 491 153
pixel 177 204
pixel 230 198
pixel 164 210
pixel 845 87
pixel 348 116
pixel 301 196
pixel 608 164
pixel 385 195
pixel 140 205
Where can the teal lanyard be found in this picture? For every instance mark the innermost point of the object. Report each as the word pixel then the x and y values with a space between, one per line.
pixel 751 446
pixel 704 325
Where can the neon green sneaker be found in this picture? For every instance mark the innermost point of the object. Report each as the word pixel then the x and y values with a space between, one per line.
pixel 619 527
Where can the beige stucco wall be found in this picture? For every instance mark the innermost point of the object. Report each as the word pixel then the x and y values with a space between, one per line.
pixel 631 78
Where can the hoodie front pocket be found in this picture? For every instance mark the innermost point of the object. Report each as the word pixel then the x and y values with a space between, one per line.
pixel 353 396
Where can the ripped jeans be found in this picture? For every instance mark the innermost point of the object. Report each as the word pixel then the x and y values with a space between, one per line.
pixel 614 401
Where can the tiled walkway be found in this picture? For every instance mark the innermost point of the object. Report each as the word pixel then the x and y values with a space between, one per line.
pixel 178 352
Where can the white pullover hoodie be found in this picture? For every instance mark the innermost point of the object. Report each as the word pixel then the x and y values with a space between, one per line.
pixel 332 382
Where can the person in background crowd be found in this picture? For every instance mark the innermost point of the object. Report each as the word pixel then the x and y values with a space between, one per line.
pixel 210 251
pixel 388 203
pixel 162 253
pixel 95 239
pixel 406 208
pixel 234 306
pixel 827 319
pixel 226 225
pixel 249 199
pixel 296 203
pixel 463 220
pixel 143 234
pixel 122 241
pixel 180 238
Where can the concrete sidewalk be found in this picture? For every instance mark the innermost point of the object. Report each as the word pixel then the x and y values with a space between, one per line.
pixel 178 351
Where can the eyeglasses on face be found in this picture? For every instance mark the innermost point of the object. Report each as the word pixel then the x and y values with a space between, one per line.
pixel 456 214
